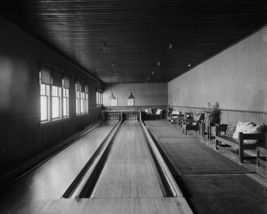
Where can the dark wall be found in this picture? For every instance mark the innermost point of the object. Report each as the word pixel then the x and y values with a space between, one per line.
pixel 21 134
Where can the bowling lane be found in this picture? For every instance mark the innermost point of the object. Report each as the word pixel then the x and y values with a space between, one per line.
pixel 51 179
pixel 129 171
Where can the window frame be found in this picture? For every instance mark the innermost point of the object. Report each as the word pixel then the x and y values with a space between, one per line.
pixel 52 91
pixel 99 97
pixel 81 98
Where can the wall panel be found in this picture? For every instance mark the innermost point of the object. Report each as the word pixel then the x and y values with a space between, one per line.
pixel 21 57
pixel 23 137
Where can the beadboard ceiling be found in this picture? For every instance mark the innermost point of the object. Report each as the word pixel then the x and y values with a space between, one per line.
pixel 126 40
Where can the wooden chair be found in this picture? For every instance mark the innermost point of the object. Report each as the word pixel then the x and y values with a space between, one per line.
pixel 189 124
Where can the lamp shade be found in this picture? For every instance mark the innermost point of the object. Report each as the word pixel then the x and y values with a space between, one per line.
pixel 131 96
pixel 112 96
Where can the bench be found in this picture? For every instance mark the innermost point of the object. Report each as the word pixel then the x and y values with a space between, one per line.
pixel 261 159
pixel 244 141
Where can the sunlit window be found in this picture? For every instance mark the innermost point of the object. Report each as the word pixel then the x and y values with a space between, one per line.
pixel 56 102
pixel 99 97
pixel 45 83
pixel 81 98
pixel 86 99
pixel 65 97
pixel 45 94
pixel 78 97
pixel 54 95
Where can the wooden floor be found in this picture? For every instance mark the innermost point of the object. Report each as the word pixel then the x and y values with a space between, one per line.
pixel 50 180
pixel 129 171
pixel 129 182
pixel 213 184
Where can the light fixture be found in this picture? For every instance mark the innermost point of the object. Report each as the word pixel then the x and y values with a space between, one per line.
pixel 170 46
pixel 189 65
pixel 112 96
pixel 158 63
pixel 104 47
pixel 152 72
pixel 131 96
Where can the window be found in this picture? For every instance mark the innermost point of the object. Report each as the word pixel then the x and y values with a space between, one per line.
pixel 54 95
pixel 81 98
pixel 99 97
pixel 45 82
pixel 78 97
pixel 45 94
pixel 56 102
pixel 65 97
pixel 86 107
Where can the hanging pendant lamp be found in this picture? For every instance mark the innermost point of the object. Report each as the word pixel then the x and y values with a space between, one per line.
pixel 131 96
pixel 112 97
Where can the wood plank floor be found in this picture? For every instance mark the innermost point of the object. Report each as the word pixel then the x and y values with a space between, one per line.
pixel 51 179
pixel 103 206
pixel 129 171
pixel 129 183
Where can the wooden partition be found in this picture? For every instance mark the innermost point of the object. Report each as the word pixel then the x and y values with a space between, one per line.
pixel 230 116
pixel 22 137
pixel 134 108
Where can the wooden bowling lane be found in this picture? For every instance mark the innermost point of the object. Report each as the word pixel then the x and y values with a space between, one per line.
pixel 51 179
pixel 129 171
pixel 104 206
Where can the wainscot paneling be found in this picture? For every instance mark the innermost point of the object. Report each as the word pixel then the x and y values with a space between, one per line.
pixel 22 137
pixel 134 108
pixel 230 116
pixel 19 138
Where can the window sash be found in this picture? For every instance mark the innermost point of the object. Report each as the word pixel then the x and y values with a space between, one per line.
pixel 44 107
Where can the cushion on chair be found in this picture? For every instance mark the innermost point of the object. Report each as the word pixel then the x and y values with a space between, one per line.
pixel 240 127
pixel 159 111
pixel 148 111
pixel 248 128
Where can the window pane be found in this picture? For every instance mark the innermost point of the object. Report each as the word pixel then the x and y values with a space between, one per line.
pixel 54 91
pixel 44 108
pixel 47 88
pixel 42 89
pixel 55 107
pixel 82 106
pixel 65 114
pixel 77 106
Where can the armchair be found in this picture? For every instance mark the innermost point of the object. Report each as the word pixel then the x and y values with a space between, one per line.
pixel 192 124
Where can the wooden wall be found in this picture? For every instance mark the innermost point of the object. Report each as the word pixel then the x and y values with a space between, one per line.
pixel 21 133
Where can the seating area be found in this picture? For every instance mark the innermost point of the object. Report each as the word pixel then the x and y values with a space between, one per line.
pixel 153 114
pixel 241 136
pixel 191 122
pixel 243 140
